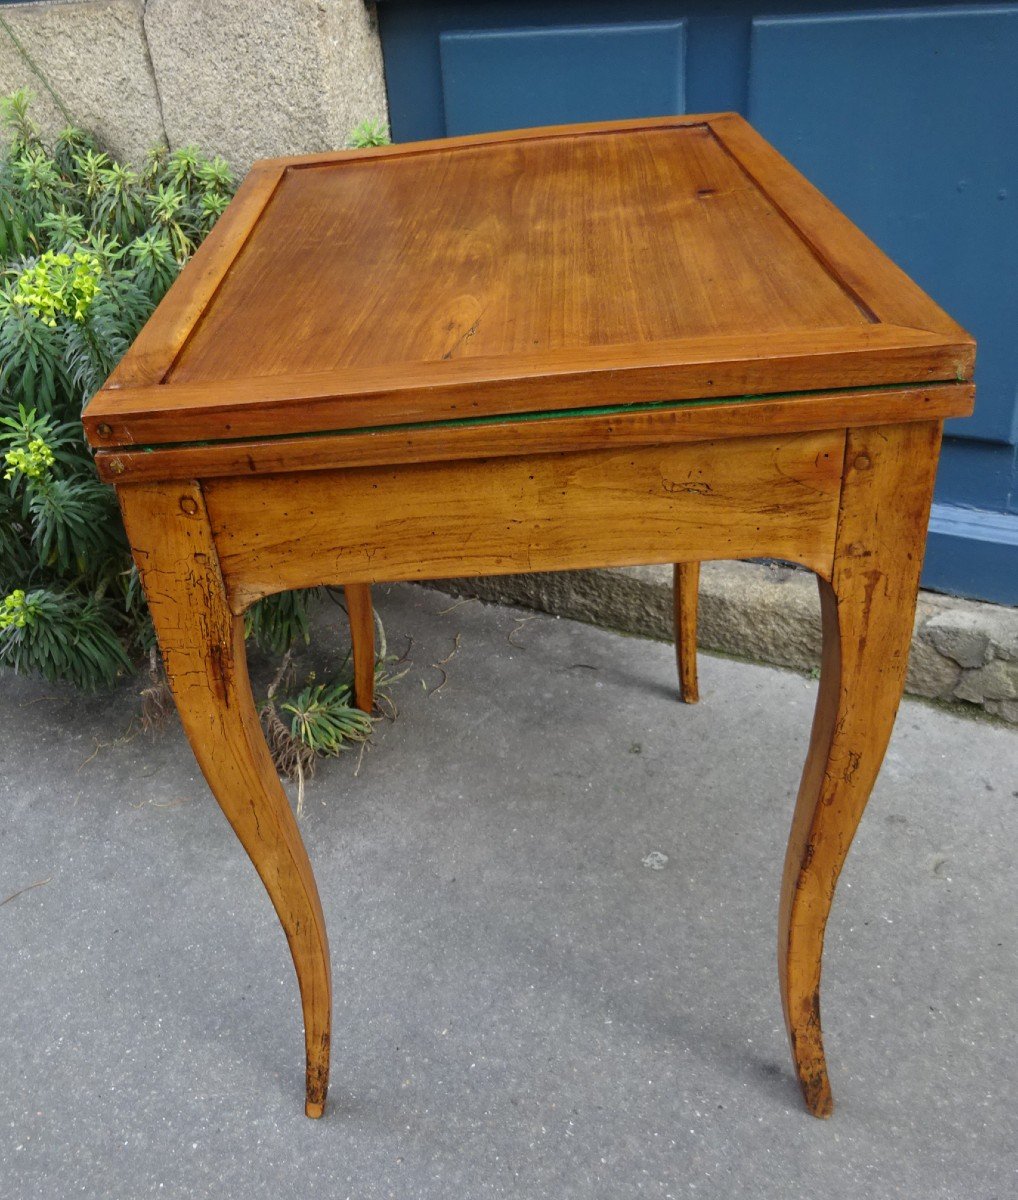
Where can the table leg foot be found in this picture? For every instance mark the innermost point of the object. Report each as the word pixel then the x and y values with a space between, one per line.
pixel 687 599
pixel 867 611
pixel 317 1082
pixel 202 643
pixel 362 640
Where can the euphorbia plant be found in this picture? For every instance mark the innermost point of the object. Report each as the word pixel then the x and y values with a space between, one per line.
pixel 88 247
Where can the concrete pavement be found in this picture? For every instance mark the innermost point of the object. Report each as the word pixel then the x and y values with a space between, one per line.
pixel 551 895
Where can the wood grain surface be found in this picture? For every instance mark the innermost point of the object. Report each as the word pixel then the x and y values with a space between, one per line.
pixel 722 368
pixel 600 345
pixel 867 606
pixel 202 647
pixel 597 430
pixel 686 600
pixel 757 496
pixel 361 614
pixel 574 266
pixel 555 244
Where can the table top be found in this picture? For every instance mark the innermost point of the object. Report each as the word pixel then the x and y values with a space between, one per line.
pixel 519 274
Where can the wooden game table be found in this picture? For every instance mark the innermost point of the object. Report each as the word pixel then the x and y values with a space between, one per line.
pixel 593 345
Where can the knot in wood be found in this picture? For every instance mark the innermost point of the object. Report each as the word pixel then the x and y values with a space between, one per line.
pixel 863 462
pixel 188 505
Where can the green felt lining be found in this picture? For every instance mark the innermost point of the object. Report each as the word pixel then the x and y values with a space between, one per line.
pixel 556 414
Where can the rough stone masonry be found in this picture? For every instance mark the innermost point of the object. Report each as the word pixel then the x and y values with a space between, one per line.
pixel 234 78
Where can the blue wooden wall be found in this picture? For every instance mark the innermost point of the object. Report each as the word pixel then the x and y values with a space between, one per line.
pixel 907 117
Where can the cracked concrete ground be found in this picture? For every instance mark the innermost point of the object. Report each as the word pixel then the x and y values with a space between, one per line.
pixel 551 897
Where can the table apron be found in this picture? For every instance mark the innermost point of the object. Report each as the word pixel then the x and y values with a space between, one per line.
pixel 773 496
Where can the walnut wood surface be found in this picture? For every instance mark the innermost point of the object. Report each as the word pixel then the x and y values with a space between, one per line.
pixel 857 518
pixel 182 307
pixel 362 643
pixel 716 368
pixel 593 431
pixel 202 645
pixel 851 506
pixel 756 496
pixel 371 301
pixel 687 602
pixel 576 266
pixel 510 251
pixel 868 608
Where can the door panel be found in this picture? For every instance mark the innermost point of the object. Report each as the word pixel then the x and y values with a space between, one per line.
pixel 903 130
pixel 907 116
pixel 514 78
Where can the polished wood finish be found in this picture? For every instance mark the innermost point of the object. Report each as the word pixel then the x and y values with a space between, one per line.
pixel 715 368
pixel 693 422
pixel 687 602
pixel 362 643
pixel 761 496
pixel 147 360
pixel 643 341
pixel 868 607
pixel 538 251
pixel 202 645
pixel 651 260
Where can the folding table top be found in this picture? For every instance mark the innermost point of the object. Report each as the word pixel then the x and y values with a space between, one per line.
pixel 515 275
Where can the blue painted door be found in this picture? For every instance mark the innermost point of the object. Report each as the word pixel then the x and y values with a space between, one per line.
pixel 906 117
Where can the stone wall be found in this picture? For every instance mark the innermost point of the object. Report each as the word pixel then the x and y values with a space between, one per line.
pixel 243 79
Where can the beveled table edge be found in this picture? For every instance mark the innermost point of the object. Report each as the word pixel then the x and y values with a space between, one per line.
pixel 549 433
pixel 134 406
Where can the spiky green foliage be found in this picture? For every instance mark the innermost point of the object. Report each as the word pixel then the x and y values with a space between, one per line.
pixel 89 247
pixel 323 717
pixel 321 720
pixel 370 133
pixel 60 635
pixel 278 621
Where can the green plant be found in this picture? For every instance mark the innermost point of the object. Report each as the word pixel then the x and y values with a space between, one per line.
pixel 279 621
pixel 21 129
pixel 370 133
pixel 88 248
pixel 323 718
pixel 321 721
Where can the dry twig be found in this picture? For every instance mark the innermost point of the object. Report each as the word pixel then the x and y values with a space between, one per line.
pixel 440 665
pixel 465 600
pixel 445 679
pixel 27 888
pixel 291 757
pixel 520 622
pixel 452 654
pixel 125 737
pixel 156 699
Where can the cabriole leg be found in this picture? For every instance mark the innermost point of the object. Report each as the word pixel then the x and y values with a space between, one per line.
pixel 202 644
pixel 867 610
